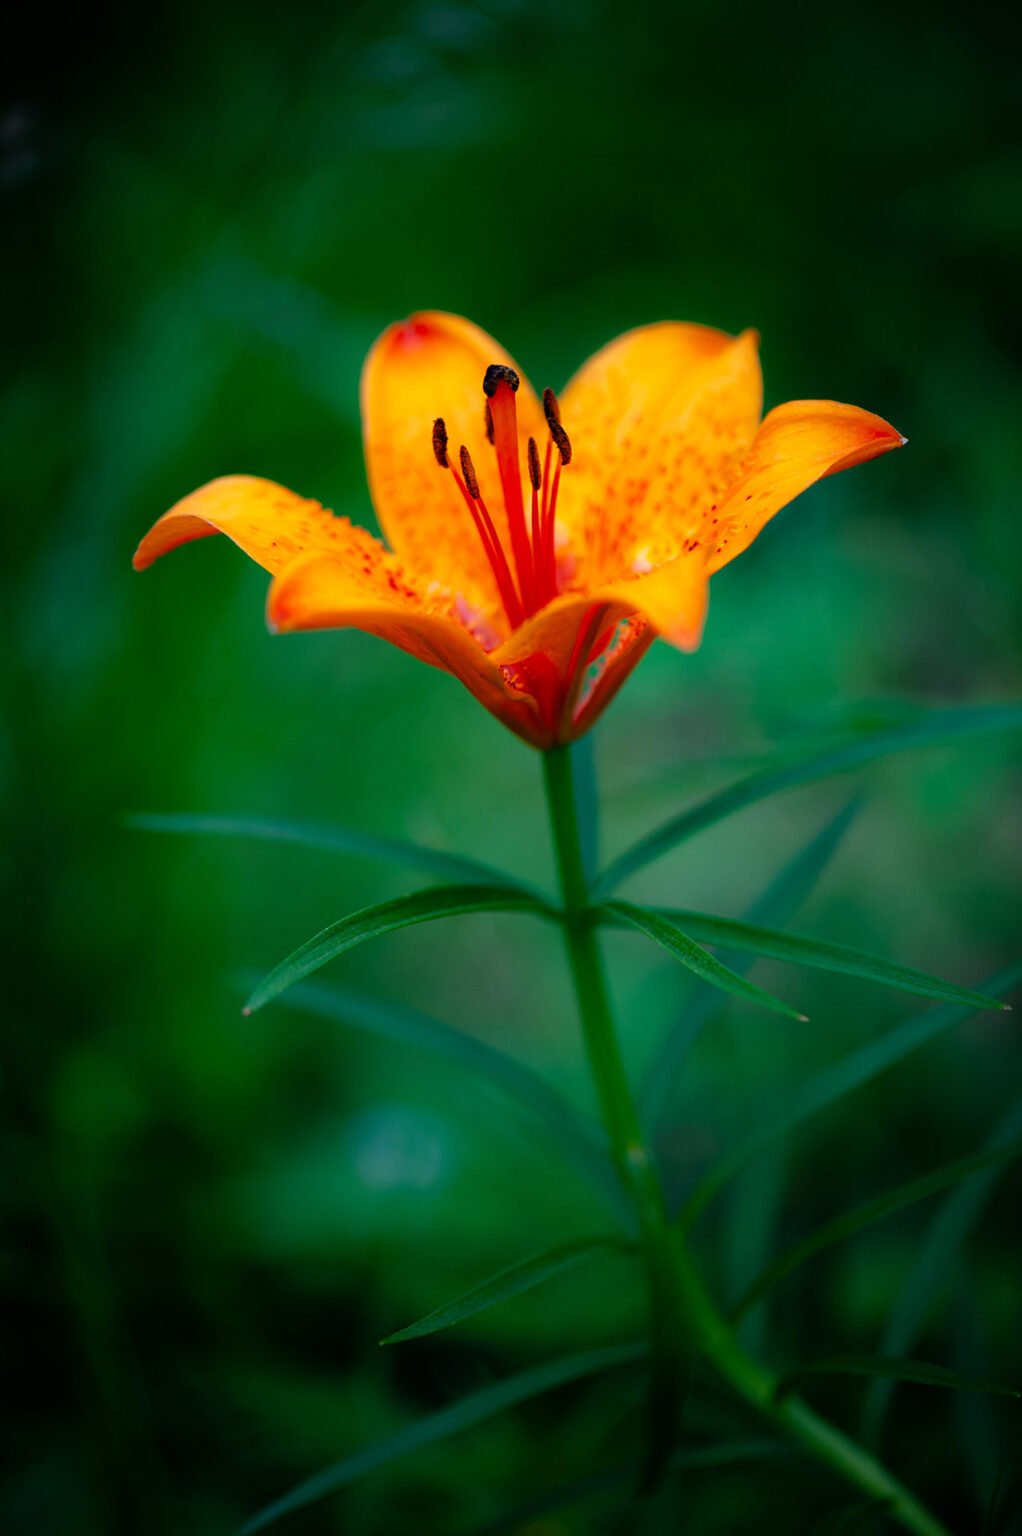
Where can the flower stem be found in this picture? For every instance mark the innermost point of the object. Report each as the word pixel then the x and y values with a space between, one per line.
pixel 684 1320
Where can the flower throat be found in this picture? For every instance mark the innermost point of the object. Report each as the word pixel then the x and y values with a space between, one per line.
pixel 528 580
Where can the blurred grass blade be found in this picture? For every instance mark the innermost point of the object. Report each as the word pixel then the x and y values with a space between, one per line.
pixel 947 1235
pixel 846 1225
pixel 509 1282
pixel 918 1371
pixel 366 845
pixel 371 922
pixel 395 1021
pixel 726 1453
pixel 818 954
pixel 853 1518
pixel 449 1421
pixel 656 926
pixel 776 906
pixel 754 1216
pixel 939 728
pixel 832 1084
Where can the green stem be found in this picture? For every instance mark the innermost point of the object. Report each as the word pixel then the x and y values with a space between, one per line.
pixel 683 1316
pixel 631 1156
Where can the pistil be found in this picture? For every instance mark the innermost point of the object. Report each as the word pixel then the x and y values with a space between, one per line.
pixel 500 384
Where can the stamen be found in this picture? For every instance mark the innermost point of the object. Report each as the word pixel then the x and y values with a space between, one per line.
pixel 535 477
pixel 468 469
pixel 552 411
pixel 535 480
pixel 561 440
pixel 482 520
pixel 488 423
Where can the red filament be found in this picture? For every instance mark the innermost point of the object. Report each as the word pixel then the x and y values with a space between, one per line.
pixel 527 580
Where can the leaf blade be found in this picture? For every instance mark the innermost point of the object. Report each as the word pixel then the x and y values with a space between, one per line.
pixel 945 1237
pixel 833 1083
pixel 777 905
pixel 870 1211
pixel 464 1414
pixel 507 1283
pixel 940 728
pixel 820 954
pixel 894 1369
pixel 398 1022
pixel 332 839
pixel 654 925
pixel 386 917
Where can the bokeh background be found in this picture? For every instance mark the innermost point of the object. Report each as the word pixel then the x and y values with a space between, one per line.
pixel 209 212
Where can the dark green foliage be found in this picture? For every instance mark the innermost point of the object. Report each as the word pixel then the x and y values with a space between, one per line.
pixel 208 213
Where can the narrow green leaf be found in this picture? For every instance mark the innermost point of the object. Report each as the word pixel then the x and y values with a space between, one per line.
pixel 846 1225
pixel 582 1138
pixel 855 1516
pixel 754 1215
pixel 939 728
pixel 833 1083
pixel 405 912
pixel 934 1261
pixel 883 1366
pixel 725 1453
pixel 509 1282
pixel 461 1415
pixel 366 845
pixel 818 954
pixel 669 936
pixel 777 906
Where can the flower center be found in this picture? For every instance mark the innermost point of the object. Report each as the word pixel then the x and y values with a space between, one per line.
pixel 526 575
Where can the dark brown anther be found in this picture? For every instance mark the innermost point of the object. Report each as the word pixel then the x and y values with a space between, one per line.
pixel 440 442
pixel 535 477
pixel 468 469
pixel 551 408
pixel 562 441
pixel 499 373
pixel 488 420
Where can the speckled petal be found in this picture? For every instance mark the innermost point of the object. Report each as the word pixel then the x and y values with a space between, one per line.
pixel 428 366
pixel 270 523
pixel 660 421
pixel 798 444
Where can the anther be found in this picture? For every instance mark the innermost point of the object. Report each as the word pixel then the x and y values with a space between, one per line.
pixel 535 477
pixel 552 412
pixel 496 374
pixel 488 421
pixel 468 469
pixel 561 439
pixel 440 442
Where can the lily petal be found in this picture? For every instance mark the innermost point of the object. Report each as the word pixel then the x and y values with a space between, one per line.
pixel 797 444
pixel 270 523
pixel 660 421
pixel 673 598
pixel 321 591
pixel 431 365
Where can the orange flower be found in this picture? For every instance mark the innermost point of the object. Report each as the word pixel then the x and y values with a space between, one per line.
pixel 537 548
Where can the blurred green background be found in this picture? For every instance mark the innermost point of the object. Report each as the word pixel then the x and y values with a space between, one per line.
pixel 209 213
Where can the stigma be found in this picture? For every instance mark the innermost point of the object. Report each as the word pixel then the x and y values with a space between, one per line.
pixel 525 571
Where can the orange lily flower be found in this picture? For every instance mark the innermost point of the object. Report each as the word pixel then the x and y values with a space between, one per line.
pixel 537 547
